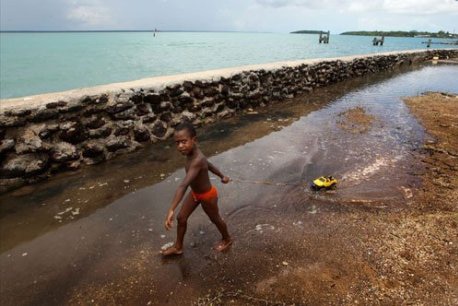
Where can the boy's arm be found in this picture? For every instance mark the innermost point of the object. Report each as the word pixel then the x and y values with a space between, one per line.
pixel 193 171
pixel 216 171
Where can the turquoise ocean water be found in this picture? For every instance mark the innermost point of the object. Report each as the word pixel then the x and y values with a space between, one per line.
pixel 34 63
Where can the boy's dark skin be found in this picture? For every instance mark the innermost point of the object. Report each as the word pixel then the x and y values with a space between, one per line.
pixel 197 167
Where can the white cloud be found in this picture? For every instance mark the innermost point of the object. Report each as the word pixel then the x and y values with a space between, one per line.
pixel 421 7
pixel 407 7
pixel 89 13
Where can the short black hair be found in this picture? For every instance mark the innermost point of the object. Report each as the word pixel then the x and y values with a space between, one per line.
pixel 186 125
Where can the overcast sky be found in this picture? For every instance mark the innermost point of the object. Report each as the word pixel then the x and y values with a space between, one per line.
pixel 230 15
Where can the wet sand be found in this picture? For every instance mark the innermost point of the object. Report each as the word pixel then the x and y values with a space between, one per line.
pixel 370 241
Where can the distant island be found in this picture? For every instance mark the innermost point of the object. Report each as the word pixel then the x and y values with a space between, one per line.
pixel 307 32
pixel 440 34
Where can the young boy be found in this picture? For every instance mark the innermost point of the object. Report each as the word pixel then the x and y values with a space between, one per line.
pixel 202 192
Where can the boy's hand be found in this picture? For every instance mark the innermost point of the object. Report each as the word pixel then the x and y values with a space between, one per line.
pixel 169 220
pixel 225 180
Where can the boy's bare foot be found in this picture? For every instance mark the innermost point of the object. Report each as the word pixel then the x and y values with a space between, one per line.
pixel 223 245
pixel 171 251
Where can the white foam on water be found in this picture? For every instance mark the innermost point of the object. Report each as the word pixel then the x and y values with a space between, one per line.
pixel 371 169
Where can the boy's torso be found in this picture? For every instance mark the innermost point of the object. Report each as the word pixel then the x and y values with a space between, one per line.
pixel 201 182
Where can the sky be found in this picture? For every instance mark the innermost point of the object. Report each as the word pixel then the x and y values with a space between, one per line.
pixel 230 15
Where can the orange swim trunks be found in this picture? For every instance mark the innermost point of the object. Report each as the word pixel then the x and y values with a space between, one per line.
pixel 205 196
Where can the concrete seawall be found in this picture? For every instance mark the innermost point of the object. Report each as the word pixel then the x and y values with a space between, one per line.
pixel 45 134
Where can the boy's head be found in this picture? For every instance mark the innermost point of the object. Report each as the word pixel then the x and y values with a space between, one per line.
pixel 185 138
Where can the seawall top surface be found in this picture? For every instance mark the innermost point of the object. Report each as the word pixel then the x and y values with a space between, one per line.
pixel 160 82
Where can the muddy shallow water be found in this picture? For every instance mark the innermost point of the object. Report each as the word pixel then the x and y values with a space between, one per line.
pixel 93 235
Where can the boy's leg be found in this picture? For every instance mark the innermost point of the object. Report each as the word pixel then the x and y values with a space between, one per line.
pixel 189 205
pixel 212 211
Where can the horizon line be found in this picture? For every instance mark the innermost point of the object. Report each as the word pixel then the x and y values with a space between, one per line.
pixel 150 30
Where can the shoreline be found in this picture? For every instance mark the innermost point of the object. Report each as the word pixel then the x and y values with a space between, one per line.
pixel 43 135
pixel 160 82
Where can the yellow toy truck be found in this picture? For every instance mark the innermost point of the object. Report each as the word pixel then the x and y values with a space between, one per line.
pixel 324 182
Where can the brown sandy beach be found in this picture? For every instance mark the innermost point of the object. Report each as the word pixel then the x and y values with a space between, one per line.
pixel 378 239
pixel 367 257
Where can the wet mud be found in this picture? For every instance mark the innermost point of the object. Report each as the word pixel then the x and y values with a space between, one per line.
pixel 92 237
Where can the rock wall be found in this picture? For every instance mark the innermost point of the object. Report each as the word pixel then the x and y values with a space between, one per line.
pixel 40 139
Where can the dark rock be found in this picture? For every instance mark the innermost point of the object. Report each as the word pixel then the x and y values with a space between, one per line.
pixel 137 99
pixel 75 133
pixel 95 122
pixel 232 103
pixel 122 131
pixel 24 165
pixel 149 118
pixel 175 90
pixel 188 86
pixel 86 100
pixel 45 134
pixel 18 112
pixel 119 107
pixel 52 105
pixel 166 116
pixel 153 98
pixel 102 99
pixel 236 77
pixel 93 149
pixel 115 143
pixel 159 129
pixel 44 114
pixel 254 95
pixel 6 145
pixel 253 77
pixel 11 121
pixel 72 108
pixel 102 132
pixel 225 90
pixel 64 152
pixel 185 99
pixel 207 102
pixel 177 109
pixel 61 103
pixel 93 109
pixel 143 109
pixel 141 133
pixel 129 114
pixel 211 91
pixel 207 112
pixel 218 107
pixel 197 93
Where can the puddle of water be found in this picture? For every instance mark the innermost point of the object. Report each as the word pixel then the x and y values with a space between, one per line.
pixel 111 215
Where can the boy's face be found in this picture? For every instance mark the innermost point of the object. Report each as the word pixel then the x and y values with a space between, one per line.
pixel 184 142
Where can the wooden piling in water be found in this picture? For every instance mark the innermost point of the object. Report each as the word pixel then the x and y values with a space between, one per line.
pixel 324 37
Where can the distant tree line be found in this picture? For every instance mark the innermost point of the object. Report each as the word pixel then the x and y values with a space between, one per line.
pixel 440 34
pixel 307 32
